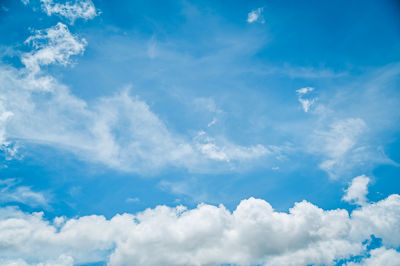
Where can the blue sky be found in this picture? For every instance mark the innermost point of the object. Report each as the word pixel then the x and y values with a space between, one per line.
pixel 112 109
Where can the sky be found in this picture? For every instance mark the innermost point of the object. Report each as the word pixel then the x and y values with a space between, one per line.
pixel 199 132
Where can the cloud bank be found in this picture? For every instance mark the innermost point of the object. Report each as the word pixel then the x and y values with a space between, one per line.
pixel 254 233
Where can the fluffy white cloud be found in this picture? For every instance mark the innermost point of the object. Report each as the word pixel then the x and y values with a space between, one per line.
pixel 381 219
pixel 254 233
pixel 255 15
pixel 80 9
pixel 357 191
pixel 380 256
pixel 11 192
pixel 53 45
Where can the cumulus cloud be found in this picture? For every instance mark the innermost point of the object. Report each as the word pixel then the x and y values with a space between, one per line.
pixel 380 256
pixel 79 9
pixel 255 16
pixel 254 233
pixel 12 192
pixel 357 191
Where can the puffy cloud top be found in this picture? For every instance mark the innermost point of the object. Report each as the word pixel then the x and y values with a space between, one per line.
pixel 357 191
pixel 254 233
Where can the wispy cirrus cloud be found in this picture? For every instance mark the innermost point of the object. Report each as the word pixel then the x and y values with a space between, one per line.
pixel 342 142
pixel 343 133
pixel 228 151
pixel 119 131
pixel 344 145
pixel 11 192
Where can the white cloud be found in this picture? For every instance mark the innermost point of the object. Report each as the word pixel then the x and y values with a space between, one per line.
pixel 381 219
pixel 53 45
pixel 207 105
pixel 62 260
pixel 80 9
pixel 305 103
pixel 119 131
pixel 255 15
pixel 343 136
pixel 25 2
pixel 304 90
pixel 11 192
pixel 228 151
pixel 254 233
pixel 8 148
pixel 342 145
pixel 132 200
pixel 380 256
pixel 213 122
pixel 357 191
pixel 346 135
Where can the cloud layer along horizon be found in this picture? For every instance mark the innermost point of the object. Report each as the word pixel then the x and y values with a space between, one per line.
pixel 254 233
